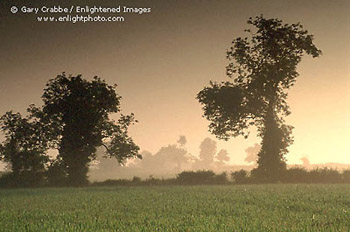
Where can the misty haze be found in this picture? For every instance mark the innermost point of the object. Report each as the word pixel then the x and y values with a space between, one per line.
pixel 174 115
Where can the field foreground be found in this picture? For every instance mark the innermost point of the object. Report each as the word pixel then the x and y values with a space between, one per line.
pixel 178 208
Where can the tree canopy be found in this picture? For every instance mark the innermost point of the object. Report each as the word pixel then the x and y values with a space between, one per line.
pixel 81 109
pixel 26 141
pixel 262 67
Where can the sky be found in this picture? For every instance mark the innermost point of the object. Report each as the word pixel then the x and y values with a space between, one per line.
pixel 162 59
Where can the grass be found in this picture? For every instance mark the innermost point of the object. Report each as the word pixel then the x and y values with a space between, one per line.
pixel 178 208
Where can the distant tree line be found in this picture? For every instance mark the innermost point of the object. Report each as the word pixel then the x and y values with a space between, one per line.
pixel 167 162
pixel 208 177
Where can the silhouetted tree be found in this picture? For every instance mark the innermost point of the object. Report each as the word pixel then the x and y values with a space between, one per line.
pixel 25 145
pixel 252 153
pixel 168 160
pixel 182 140
pixel 207 154
pixel 207 150
pixel 306 162
pixel 173 157
pixel 240 177
pixel 262 68
pixel 81 110
pixel 222 157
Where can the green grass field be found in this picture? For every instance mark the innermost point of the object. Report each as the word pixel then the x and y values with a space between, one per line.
pixel 178 208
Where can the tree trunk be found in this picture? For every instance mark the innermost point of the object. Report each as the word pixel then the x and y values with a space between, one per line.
pixel 76 160
pixel 14 157
pixel 271 163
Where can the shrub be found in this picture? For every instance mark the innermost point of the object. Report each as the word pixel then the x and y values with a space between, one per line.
pixel 221 178
pixel 136 180
pixel 296 175
pixel 239 177
pixel 324 175
pixel 56 175
pixel 22 180
pixel 346 176
pixel 200 177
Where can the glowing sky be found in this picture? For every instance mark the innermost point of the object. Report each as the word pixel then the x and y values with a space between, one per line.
pixel 161 60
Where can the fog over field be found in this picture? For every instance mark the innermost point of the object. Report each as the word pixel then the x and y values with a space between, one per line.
pixel 174 158
pixel 182 115
pixel 163 56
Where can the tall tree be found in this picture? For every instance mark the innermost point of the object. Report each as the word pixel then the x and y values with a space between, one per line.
pixel 81 109
pixel 262 67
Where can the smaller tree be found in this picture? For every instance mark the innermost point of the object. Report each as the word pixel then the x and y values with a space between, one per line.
pixel 240 177
pixel 222 157
pixel 182 140
pixel 206 155
pixel 207 150
pixel 26 142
